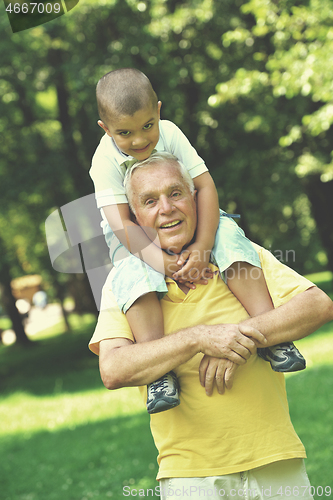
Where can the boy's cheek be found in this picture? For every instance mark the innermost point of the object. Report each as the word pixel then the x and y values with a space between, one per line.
pixel 119 143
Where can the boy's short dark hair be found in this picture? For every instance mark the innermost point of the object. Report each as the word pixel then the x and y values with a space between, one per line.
pixel 123 92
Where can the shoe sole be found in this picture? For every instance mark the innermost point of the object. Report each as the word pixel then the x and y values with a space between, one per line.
pixel 161 406
pixel 296 367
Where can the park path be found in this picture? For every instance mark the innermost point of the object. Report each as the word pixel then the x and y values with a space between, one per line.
pixel 38 319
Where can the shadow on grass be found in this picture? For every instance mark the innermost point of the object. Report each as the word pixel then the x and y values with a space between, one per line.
pixel 310 395
pixel 39 368
pixel 90 461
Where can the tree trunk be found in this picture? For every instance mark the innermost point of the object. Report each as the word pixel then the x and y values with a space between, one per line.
pixel 60 291
pixel 321 197
pixel 77 172
pixel 8 301
pixel 80 290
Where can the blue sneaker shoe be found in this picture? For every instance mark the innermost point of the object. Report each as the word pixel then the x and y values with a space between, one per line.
pixel 283 357
pixel 163 394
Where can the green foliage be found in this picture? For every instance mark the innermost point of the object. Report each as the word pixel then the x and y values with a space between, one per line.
pixel 282 97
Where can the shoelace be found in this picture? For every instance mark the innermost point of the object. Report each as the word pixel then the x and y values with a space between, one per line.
pixel 161 384
pixel 285 347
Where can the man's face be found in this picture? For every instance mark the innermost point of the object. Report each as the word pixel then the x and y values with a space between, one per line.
pixel 136 135
pixel 163 202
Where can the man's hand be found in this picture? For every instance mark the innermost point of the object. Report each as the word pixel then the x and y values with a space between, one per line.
pixel 194 266
pixel 229 341
pixel 219 371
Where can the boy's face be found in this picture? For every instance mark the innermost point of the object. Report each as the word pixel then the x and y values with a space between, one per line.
pixel 135 135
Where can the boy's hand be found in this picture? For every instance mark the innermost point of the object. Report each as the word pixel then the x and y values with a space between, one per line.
pixel 170 264
pixel 194 266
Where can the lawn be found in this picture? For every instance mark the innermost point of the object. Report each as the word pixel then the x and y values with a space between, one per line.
pixel 63 436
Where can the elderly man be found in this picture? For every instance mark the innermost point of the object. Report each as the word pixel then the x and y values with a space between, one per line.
pixel 238 441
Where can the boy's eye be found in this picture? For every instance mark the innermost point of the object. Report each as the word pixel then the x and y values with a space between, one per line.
pixel 148 126
pixel 125 133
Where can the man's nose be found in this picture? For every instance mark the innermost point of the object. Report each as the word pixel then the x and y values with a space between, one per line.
pixel 165 205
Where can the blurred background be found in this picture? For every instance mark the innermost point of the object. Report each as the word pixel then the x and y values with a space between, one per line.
pixel 248 82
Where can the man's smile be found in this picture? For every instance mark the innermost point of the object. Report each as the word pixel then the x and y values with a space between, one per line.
pixel 170 225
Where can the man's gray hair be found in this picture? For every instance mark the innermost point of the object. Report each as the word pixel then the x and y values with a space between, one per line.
pixel 158 158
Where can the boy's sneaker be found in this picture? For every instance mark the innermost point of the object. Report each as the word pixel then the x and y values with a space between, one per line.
pixel 163 394
pixel 284 357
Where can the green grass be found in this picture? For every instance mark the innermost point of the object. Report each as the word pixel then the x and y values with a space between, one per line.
pixel 310 395
pixel 63 436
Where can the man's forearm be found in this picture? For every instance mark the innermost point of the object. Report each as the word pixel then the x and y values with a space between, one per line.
pixel 130 364
pixel 123 363
pixel 299 317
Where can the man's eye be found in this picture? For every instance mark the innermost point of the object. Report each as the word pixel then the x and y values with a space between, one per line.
pixel 150 202
pixel 176 194
pixel 148 126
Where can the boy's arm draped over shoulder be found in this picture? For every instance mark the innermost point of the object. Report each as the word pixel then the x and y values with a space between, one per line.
pixel 132 236
pixel 207 203
pixel 198 254
pixel 208 210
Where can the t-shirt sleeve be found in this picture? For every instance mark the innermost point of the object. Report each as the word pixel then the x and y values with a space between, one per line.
pixel 283 282
pixel 111 323
pixel 107 176
pixel 180 146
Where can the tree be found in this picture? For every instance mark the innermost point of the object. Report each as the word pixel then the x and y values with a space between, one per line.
pixel 282 95
pixel 9 300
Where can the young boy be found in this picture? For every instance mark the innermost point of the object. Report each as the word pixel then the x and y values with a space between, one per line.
pixel 130 116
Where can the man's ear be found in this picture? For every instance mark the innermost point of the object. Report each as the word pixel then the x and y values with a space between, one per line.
pixel 104 127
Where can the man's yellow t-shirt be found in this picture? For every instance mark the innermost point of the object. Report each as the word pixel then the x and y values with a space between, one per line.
pixel 247 427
